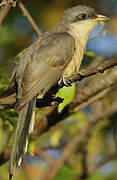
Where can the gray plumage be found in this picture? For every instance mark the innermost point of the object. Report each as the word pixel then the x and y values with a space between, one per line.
pixel 22 131
pixel 37 71
pixel 58 53
pixel 44 63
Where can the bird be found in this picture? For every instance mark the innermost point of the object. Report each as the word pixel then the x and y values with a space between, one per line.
pixel 57 54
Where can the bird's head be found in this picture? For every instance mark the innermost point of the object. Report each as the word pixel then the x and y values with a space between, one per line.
pixel 81 19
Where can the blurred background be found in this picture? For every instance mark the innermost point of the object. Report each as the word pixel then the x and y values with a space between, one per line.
pixel 15 35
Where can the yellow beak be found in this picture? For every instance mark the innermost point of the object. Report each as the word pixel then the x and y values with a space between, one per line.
pixel 100 18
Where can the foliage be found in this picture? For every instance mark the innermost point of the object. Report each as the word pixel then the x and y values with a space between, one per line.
pixel 15 35
pixel 66 93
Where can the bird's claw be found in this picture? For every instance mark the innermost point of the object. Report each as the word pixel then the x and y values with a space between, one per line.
pixel 65 81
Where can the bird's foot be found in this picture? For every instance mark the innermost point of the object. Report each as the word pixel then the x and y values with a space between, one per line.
pixel 65 81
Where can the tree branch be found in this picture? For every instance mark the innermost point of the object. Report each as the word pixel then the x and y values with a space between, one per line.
pixel 68 149
pixel 30 19
pixel 94 119
pixel 107 159
pixel 80 138
pixel 86 100
pixel 94 70
pixel 96 86
pixel 95 89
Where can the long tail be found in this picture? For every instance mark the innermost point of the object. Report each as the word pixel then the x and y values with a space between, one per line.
pixel 23 128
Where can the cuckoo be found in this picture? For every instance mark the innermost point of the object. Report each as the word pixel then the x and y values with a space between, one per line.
pixel 57 54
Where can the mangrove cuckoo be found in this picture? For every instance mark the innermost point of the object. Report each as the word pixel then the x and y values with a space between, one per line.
pixel 57 54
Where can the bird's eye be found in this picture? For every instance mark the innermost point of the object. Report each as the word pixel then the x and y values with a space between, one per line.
pixel 83 16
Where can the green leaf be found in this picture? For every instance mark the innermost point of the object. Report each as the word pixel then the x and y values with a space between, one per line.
pixel 66 93
pixel 55 138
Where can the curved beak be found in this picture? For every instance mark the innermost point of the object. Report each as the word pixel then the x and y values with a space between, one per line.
pixel 100 18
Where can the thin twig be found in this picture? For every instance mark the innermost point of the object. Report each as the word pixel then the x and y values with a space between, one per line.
pixel 107 159
pixel 91 100
pixel 80 138
pixel 30 19
pixel 99 86
pixel 108 112
pixel 68 149
pixel 84 155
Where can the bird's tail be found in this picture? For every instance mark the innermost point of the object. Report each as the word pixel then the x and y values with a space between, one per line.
pixel 23 128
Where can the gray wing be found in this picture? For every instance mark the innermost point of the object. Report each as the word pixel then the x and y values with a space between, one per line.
pixel 39 70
